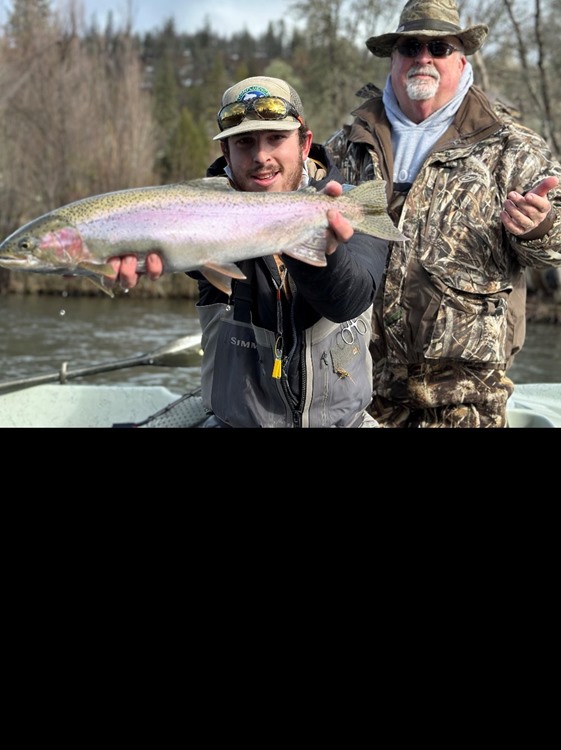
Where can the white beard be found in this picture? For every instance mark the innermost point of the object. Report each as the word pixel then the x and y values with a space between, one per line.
pixel 420 89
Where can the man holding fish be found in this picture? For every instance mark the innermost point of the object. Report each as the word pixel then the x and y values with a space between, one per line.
pixel 289 347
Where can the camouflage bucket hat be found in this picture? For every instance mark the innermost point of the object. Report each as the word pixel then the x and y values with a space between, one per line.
pixel 429 18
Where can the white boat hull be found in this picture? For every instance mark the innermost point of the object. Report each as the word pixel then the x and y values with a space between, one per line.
pixel 82 405
pixel 71 405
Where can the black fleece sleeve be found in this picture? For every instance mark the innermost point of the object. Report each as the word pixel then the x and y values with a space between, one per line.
pixel 346 287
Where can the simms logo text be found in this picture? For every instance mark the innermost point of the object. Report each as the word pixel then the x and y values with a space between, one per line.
pixel 244 344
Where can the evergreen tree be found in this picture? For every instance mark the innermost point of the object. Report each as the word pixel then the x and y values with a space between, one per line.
pixel 188 150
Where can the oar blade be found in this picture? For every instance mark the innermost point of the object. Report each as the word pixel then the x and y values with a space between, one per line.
pixel 183 352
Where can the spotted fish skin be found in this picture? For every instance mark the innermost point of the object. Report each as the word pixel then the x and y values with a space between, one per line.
pixel 199 224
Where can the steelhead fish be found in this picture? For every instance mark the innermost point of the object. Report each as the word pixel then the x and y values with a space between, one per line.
pixel 198 224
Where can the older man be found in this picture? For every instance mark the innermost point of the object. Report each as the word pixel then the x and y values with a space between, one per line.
pixel 477 195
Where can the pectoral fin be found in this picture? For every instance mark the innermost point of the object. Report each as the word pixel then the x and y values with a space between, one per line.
pixel 226 269
pixel 221 275
pixel 310 248
pixel 101 276
pixel 100 285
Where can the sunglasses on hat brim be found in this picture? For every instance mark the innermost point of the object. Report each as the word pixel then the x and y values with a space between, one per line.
pixel 265 107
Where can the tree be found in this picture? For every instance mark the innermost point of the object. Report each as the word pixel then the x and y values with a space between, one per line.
pixel 187 155
pixel 74 120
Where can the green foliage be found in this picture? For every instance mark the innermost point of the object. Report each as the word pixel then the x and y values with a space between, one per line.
pixel 187 155
pixel 165 94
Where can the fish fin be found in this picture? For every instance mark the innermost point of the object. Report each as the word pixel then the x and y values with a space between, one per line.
pixel 221 275
pixel 376 221
pixel 311 248
pixel 101 276
pixel 100 285
pixel 226 269
pixel 219 280
pixel 222 283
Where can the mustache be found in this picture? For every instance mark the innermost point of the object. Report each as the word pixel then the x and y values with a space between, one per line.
pixel 423 70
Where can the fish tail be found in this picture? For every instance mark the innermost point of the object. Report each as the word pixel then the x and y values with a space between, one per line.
pixel 375 221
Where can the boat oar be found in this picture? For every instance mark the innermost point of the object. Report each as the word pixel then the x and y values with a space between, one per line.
pixel 183 352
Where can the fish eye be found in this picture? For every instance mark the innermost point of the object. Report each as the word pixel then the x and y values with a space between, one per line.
pixel 24 244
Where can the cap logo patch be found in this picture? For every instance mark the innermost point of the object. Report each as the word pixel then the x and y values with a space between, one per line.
pixel 252 93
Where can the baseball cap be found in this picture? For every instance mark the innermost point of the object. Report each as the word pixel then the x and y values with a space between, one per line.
pixel 262 86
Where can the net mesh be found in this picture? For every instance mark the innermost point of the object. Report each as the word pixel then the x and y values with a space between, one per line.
pixel 186 411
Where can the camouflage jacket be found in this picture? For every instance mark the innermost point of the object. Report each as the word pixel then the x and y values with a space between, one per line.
pixel 456 290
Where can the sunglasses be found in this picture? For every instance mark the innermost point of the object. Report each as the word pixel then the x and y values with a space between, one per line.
pixel 437 48
pixel 265 107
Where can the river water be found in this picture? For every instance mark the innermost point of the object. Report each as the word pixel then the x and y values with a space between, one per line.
pixel 39 333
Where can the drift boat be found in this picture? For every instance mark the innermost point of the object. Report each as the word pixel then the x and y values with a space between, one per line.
pixel 532 405
pixel 51 401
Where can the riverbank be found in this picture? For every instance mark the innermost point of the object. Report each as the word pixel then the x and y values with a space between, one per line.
pixel 170 286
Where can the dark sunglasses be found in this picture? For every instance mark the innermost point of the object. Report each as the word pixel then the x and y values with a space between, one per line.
pixel 265 107
pixel 437 48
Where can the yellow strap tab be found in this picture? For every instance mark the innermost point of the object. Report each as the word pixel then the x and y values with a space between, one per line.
pixel 277 368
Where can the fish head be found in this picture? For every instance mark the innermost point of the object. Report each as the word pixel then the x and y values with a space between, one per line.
pixel 49 244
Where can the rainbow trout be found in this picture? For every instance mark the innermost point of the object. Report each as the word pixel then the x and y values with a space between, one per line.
pixel 199 224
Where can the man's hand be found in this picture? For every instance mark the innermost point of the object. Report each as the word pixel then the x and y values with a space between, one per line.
pixel 522 214
pixel 125 269
pixel 340 229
